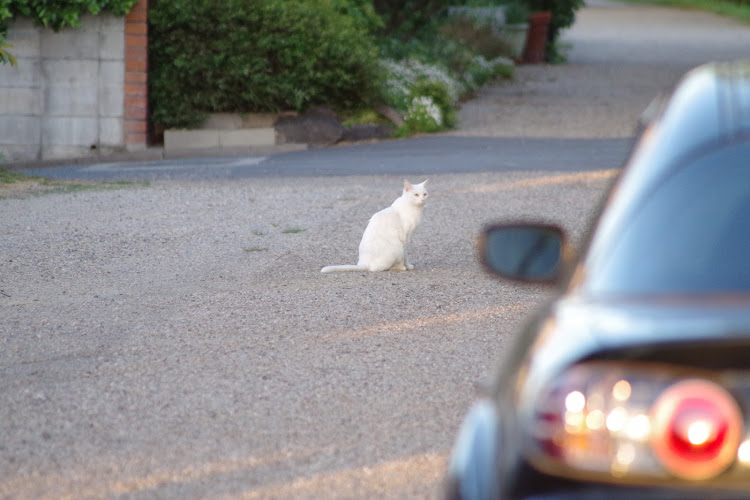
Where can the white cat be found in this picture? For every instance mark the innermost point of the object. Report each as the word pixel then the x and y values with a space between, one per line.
pixel 384 241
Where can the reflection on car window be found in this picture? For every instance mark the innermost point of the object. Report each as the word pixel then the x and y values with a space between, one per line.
pixel 690 234
pixel 525 253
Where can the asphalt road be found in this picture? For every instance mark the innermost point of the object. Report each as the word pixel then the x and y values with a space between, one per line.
pixel 417 157
pixel 179 341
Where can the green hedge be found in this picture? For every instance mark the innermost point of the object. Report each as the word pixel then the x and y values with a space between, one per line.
pixel 258 55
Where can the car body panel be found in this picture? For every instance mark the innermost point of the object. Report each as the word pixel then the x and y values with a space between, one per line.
pixel 705 332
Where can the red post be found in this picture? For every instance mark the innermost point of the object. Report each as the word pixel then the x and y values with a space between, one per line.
pixel 536 41
pixel 136 77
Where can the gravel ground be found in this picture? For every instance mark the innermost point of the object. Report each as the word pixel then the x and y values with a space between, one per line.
pixel 179 341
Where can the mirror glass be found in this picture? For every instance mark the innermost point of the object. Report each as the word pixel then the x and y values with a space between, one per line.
pixel 524 252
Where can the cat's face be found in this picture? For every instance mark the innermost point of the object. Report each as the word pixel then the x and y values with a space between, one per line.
pixel 415 193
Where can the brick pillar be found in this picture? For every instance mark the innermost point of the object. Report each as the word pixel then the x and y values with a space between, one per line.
pixel 136 77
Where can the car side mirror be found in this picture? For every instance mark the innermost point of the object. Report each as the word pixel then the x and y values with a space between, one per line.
pixel 525 252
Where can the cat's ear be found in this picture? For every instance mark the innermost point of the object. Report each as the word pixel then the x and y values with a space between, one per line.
pixel 407 185
pixel 424 183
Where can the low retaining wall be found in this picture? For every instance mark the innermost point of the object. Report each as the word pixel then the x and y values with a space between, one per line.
pixel 76 93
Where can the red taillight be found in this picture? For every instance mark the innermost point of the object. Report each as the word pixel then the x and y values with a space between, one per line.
pixel 636 421
pixel 697 429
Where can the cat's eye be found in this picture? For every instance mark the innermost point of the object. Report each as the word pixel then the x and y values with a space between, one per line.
pixel 416 194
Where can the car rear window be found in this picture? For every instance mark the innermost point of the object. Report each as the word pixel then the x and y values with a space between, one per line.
pixel 689 232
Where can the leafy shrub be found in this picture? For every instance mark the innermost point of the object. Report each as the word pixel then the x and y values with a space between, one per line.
pixel 411 86
pixel 414 86
pixel 477 35
pixel 262 55
pixel 404 78
pixel 423 115
pixel 459 54
pixel 5 56
pixel 441 97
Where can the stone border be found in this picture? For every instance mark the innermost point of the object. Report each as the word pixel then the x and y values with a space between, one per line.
pixel 232 132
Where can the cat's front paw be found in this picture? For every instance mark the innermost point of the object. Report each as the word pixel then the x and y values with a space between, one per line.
pixel 409 267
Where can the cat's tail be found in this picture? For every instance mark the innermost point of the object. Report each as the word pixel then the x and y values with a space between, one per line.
pixel 333 269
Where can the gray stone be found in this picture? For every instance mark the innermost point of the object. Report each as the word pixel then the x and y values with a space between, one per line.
pixel 110 131
pixel 111 72
pixel 26 74
pixel 19 152
pixel 71 72
pixel 24 37
pixel 21 101
pixel 111 45
pixel 70 43
pixel 249 137
pixel 71 101
pixel 62 131
pixel 109 23
pixel 366 132
pixel 111 100
pixel 62 151
pixel 317 126
pixel 180 140
pixel 390 113
pixel 21 130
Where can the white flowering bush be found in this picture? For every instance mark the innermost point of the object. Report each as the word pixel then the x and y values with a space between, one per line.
pixel 423 115
pixel 396 88
pixel 479 70
pixel 425 76
pixel 425 93
pixel 403 76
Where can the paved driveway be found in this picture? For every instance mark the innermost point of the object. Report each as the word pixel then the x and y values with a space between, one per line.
pixel 620 56
pixel 178 341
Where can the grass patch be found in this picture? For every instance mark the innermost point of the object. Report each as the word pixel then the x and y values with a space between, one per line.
pixel 77 187
pixel 728 8
pixel 363 117
pixel 9 177
pixel 255 249
pixel 292 230
pixel 18 185
pixel 258 232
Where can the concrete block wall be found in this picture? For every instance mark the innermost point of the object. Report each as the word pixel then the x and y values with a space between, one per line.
pixel 76 93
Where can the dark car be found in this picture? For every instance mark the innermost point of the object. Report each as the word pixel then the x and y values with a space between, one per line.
pixel 634 383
